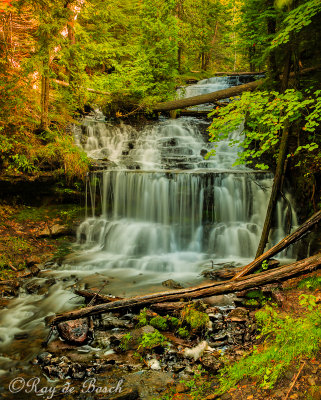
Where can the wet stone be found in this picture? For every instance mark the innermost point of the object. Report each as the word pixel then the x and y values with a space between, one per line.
pixel 44 358
pixel 170 283
pixel 74 332
pixel 239 314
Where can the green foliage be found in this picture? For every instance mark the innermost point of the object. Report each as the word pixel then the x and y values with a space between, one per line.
pixel 183 332
pixel 308 301
pixel 296 20
pixel 310 283
pixel 124 342
pixel 195 319
pixel 150 340
pixel 142 318
pixel 285 339
pixel 159 323
pixel 266 115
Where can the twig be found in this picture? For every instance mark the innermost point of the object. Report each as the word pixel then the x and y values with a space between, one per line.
pixel 295 379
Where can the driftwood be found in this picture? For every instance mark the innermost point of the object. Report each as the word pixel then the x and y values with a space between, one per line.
pixel 276 275
pixel 283 244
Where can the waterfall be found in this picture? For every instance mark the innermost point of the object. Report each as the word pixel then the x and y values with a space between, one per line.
pixel 160 206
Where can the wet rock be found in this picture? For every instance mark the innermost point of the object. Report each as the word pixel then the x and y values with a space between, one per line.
pixel 211 362
pixel 32 287
pixel 8 291
pixel 21 335
pixel 170 283
pixel 44 358
pixel 108 322
pixel 77 371
pixel 55 231
pixel 220 300
pixel 75 331
pixel 63 370
pixel 33 260
pixel 51 371
pixel 126 394
pixel 239 314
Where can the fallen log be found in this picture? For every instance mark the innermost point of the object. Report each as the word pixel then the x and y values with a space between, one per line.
pixel 90 294
pixel 238 73
pixel 207 98
pixel 283 244
pixel 219 95
pixel 275 275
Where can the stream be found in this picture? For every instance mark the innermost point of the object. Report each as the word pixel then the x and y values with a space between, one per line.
pixel 156 210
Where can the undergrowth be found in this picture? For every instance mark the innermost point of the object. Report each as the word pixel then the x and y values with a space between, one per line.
pixel 285 339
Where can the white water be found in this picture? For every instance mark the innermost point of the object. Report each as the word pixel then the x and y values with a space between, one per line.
pixel 162 207
pixel 158 211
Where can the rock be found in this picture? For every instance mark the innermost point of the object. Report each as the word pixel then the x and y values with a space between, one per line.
pixel 126 394
pixel 77 371
pixel 170 283
pixel 220 300
pixel 74 331
pixel 8 291
pixel 32 287
pixel 55 231
pixel 108 322
pixel 211 363
pixel 51 371
pixel 239 314
pixel 154 364
pixel 44 358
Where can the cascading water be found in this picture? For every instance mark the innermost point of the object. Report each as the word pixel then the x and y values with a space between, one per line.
pixel 162 207
pixel 157 210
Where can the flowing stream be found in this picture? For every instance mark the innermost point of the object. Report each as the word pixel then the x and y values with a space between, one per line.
pixel 156 210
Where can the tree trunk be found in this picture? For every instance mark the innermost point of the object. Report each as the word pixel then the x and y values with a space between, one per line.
pixel 284 243
pixel 206 98
pixel 275 191
pixel 247 282
pixel 279 172
pixel 44 123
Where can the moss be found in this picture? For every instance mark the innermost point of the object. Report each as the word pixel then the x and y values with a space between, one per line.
pixel 194 318
pixel 142 318
pixel 182 332
pixel 159 323
pixel 150 340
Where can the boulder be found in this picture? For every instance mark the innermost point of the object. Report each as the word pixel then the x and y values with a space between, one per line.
pixel 170 283
pixel 75 331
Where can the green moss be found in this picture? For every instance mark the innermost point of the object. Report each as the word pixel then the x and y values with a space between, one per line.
pixel 159 323
pixel 194 318
pixel 142 318
pixel 150 340
pixel 182 332
pixel 173 322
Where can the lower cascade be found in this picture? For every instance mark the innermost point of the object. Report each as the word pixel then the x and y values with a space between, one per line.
pixel 160 206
